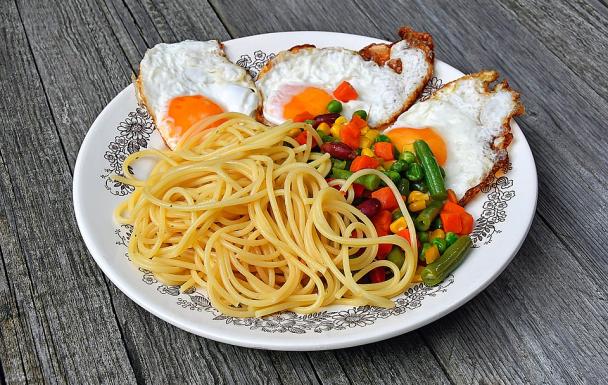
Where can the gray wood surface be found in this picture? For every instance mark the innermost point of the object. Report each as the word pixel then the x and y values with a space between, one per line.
pixel 61 321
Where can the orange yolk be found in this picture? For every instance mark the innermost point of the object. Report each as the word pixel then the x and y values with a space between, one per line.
pixel 405 138
pixel 312 100
pixel 188 110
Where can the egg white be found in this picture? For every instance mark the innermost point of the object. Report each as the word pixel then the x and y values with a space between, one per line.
pixel 195 68
pixel 469 119
pixel 382 91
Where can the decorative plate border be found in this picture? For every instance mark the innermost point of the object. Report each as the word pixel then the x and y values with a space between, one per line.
pixel 134 134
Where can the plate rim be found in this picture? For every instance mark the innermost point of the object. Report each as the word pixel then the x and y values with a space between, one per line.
pixel 353 339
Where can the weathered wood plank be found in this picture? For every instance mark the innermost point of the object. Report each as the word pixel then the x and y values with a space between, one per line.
pixel 574 31
pixel 51 290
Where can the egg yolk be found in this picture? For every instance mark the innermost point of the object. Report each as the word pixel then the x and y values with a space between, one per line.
pixel 312 100
pixel 404 138
pixel 188 110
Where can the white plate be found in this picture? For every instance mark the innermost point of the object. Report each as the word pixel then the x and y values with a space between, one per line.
pixel 503 216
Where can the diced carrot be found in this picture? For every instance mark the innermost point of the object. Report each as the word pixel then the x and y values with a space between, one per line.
pixel 405 233
pixel 358 122
pixel 452 196
pixel 303 117
pixel 359 190
pixel 384 150
pixel 451 207
pixel 301 138
pixel 377 275
pixel 382 222
pixel 467 223
pixel 386 197
pixel 451 221
pixel 350 134
pixel 345 92
pixel 363 161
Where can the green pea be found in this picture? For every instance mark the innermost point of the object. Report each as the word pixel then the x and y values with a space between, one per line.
pixel 334 106
pixel 423 236
pixel 407 156
pixel 361 113
pixel 399 166
pixel 404 187
pixel 420 186
pixel 395 177
pixel 382 138
pixel 309 121
pixel 441 244
pixel 450 238
pixel 437 224
pixel 326 138
pixel 414 172
pixel 397 256
pixel 396 214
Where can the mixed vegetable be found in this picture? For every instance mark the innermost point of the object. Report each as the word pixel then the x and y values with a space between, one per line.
pixel 442 226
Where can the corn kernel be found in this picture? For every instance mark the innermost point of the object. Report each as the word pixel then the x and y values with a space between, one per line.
pixel 364 130
pixel 417 278
pixel 368 152
pixel 294 132
pixel 364 142
pixel 324 128
pixel 372 134
pixel 417 196
pixel 387 164
pixel 341 120
pixel 416 206
pixel 409 147
pixel 431 254
pixel 398 225
pixel 437 234
pixel 335 131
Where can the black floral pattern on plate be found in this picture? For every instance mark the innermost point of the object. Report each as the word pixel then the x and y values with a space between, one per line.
pixel 134 133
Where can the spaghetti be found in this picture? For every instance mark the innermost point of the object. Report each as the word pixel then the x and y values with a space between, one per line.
pixel 244 211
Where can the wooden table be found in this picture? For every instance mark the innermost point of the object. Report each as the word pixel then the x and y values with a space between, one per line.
pixel 61 321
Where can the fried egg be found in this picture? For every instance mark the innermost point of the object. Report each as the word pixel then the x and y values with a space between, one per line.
pixel 467 126
pixel 184 82
pixel 386 77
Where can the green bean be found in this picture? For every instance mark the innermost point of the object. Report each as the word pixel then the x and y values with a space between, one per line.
pixel 399 166
pixel 397 256
pixel 407 156
pixel 423 236
pixel 396 214
pixel 340 174
pixel 440 243
pixel 434 273
pixel 450 238
pixel 309 121
pixel 404 187
pixel 426 216
pixel 432 173
pixel 395 177
pixel 369 181
pixel 420 186
pixel 414 172
pixel 338 163
pixel 437 224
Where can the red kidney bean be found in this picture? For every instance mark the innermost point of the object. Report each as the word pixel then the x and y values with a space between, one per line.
pixel 369 207
pixel 339 150
pixel 325 118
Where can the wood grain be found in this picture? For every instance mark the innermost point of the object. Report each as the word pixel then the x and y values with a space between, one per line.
pixel 56 316
pixel 542 321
